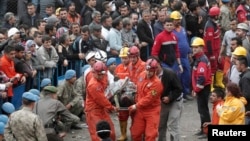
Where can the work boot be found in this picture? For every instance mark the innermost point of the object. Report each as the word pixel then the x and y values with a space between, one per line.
pixel 219 79
pixel 123 128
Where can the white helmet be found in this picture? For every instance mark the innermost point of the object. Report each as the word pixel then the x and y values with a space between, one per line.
pixel 101 55
pixel 90 55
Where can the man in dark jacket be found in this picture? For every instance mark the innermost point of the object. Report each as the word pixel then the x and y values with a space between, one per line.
pixel 241 65
pixel 30 19
pixel 171 104
pixel 145 34
pixel 86 12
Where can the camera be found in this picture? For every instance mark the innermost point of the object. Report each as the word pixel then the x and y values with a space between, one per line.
pixel 23 36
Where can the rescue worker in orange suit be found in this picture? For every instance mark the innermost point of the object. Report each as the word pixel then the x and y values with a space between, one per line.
pixel 146 110
pixel 201 80
pixel 135 67
pixel 122 72
pixel 243 11
pixel 122 69
pixel 212 47
pixel 97 105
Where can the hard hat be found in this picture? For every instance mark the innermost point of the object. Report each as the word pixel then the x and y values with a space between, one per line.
pixel 124 52
pixel 240 51
pixel 225 0
pixel 51 89
pixel 197 41
pixel 90 55
pixel 99 67
pixel 151 64
pixel 35 91
pixel 12 31
pixel 70 74
pixel 243 26
pixel 176 15
pixel 214 11
pixel 101 55
pixel 8 107
pixel 134 51
pixel 30 96
pixel 3 118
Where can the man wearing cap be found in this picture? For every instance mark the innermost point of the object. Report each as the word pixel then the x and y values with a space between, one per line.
pixel 52 111
pixel 97 38
pixel 14 35
pixel 122 72
pixel 185 54
pixel 111 65
pixel 234 74
pixel 145 111
pixel 97 105
pixel 122 69
pixel 24 124
pixel 212 39
pixel 201 81
pixel 8 108
pixel 136 65
pixel 241 32
pixel 67 95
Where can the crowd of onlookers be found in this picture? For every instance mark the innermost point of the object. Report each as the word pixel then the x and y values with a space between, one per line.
pixel 204 42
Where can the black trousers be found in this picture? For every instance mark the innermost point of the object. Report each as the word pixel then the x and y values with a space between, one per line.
pixel 202 103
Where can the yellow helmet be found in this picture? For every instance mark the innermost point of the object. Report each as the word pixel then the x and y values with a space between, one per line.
pixel 197 41
pixel 124 52
pixel 175 15
pixel 240 51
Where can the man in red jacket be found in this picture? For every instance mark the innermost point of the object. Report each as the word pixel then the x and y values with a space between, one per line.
pixel 212 46
pixel 7 66
pixel 201 80
pixel 166 48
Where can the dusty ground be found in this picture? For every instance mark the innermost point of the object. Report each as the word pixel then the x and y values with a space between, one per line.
pixel 189 125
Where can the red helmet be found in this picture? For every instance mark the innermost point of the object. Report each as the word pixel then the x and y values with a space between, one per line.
pixel 151 64
pixel 214 11
pixel 99 67
pixel 133 51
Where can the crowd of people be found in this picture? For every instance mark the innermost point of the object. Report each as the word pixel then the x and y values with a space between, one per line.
pixel 172 51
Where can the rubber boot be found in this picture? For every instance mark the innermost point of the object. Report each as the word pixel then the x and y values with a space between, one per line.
pixel 123 128
pixel 212 84
pixel 219 79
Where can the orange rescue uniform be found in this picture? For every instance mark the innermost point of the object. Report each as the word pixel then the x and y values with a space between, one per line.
pixel 146 118
pixel 97 106
pixel 135 70
pixel 122 71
